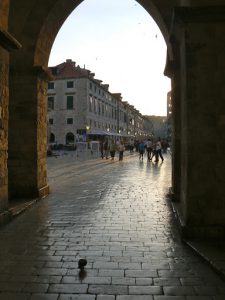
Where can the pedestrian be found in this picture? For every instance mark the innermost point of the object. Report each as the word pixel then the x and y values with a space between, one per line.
pixel 153 149
pixel 121 149
pixel 159 150
pixel 106 149
pixel 112 149
pixel 149 149
pixel 141 149
pixel 101 143
pixel 131 145
pixel 136 145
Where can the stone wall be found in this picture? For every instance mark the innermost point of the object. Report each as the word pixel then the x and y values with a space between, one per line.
pixel 202 107
pixel 4 99
pixel 4 96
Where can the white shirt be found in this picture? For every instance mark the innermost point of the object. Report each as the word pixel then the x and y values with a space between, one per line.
pixel 149 144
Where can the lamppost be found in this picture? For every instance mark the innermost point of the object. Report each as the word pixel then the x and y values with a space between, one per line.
pixel 87 130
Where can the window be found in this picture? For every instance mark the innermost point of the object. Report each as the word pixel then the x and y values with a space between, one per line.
pixel 51 85
pixel 69 84
pixel 96 105
pixel 94 102
pixel 70 121
pixel 90 86
pixel 50 102
pixel 90 103
pixel 69 104
pixel 51 121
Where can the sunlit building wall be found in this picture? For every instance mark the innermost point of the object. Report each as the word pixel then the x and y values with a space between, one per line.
pixel 79 104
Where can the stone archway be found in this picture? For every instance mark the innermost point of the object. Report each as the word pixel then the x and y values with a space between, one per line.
pixel 39 25
pixel 195 34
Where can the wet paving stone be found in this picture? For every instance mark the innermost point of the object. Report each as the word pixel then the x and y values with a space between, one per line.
pixel 118 217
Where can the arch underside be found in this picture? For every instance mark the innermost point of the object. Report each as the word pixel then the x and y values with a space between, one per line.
pixel 40 23
pixel 198 53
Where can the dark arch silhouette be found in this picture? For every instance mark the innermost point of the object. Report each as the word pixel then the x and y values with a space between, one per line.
pixel 52 138
pixel 194 33
pixel 41 24
pixel 70 138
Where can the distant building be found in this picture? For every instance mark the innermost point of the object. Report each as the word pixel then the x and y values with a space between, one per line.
pixel 159 125
pixel 81 105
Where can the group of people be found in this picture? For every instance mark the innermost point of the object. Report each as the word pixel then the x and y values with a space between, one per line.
pixel 154 149
pixel 110 147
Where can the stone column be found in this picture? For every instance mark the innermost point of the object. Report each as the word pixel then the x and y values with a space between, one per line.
pixel 27 133
pixel 4 97
pixel 7 44
pixel 173 71
pixel 202 107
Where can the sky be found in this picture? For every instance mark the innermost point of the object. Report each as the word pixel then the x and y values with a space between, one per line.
pixel 120 42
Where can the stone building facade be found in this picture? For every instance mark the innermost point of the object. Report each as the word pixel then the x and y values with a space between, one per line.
pixel 79 104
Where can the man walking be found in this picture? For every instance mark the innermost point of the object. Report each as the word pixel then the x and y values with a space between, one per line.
pixel 159 150
pixel 149 149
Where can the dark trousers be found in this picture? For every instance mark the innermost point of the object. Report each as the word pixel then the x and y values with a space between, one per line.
pixel 121 155
pixel 149 152
pixel 159 154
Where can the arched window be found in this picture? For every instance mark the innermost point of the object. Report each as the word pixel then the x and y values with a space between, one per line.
pixel 69 138
pixel 52 138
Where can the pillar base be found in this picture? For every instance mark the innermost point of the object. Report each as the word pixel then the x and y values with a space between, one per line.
pixel 5 217
pixel 44 191
pixel 203 231
pixel 17 207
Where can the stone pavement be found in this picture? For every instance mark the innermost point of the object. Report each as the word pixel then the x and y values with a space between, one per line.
pixel 118 217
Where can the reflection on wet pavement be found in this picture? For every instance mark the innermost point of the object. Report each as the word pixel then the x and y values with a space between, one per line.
pixel 117 216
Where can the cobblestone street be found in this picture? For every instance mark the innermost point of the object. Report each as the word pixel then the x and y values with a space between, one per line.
pixel 117 216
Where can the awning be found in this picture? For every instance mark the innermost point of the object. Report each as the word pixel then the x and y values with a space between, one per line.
pixel 102 132
pixel 97 132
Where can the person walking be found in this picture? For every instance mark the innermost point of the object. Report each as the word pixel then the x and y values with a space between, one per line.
pixel 106 149
pixel 101 148
pixel 121 149
pixel 131 145
pixel 159 150
pixel 141 150
pixel 149 149
pixel 112 149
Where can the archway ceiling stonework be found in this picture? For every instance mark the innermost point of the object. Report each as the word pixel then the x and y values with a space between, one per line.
pixel 35 23
pixel 40 20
